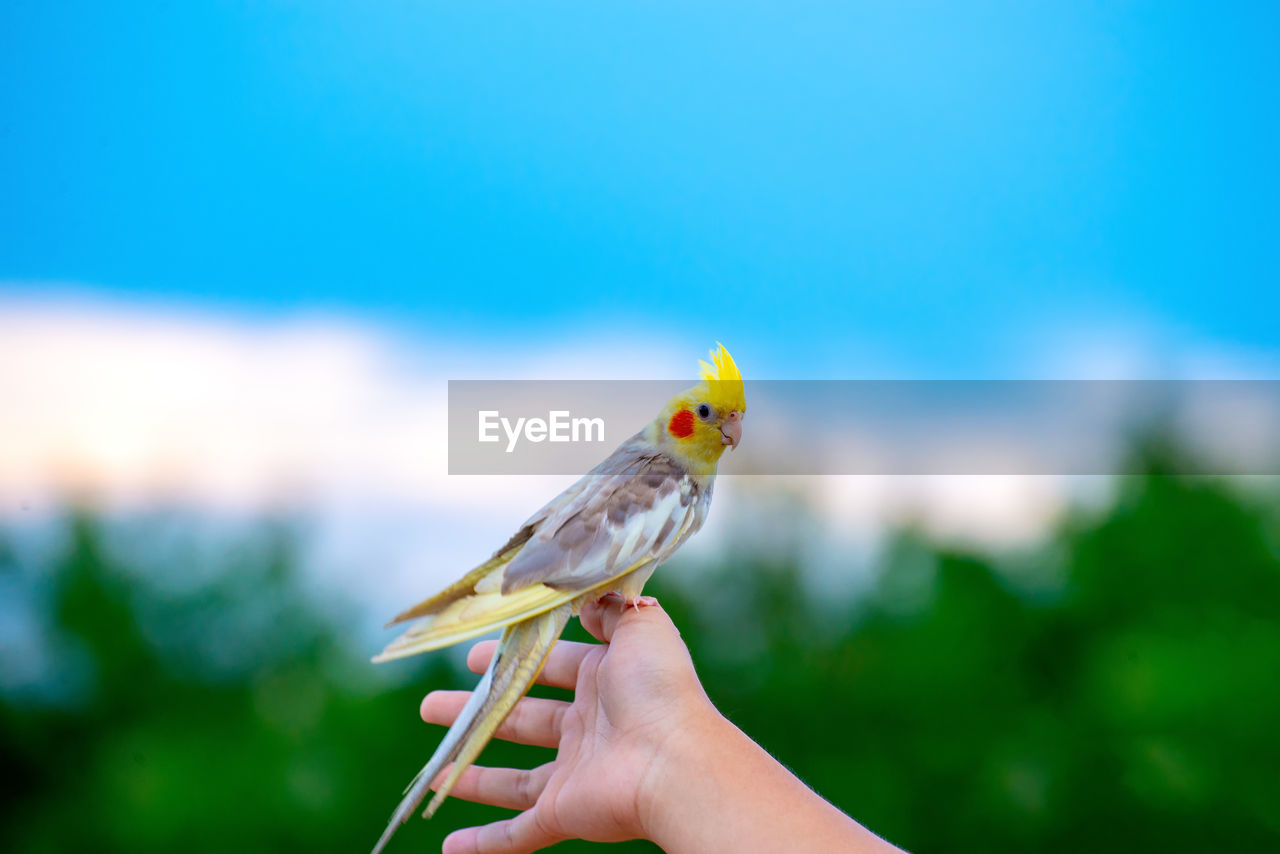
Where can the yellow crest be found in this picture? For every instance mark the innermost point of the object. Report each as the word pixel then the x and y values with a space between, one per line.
pixel 723 381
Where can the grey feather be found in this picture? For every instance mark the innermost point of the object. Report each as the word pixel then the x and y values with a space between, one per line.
pixel 604 525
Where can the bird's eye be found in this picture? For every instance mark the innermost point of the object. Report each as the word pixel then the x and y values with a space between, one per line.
pixel 704 411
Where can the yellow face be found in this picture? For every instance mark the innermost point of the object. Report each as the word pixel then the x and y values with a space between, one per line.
pixel 700 423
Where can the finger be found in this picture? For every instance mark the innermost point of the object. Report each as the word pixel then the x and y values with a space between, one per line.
pixel 534 720
pixel 603 617
pixel 520 835
pixel 561 670
pixel 509 788
pixel 592 615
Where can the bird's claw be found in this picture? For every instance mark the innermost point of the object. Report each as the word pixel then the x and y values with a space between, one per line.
pixel 636 602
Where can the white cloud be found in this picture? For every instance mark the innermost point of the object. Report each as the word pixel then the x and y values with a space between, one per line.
pixel 132 408
pixel 136 407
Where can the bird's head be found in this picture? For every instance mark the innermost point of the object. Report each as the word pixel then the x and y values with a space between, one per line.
pixel 698 424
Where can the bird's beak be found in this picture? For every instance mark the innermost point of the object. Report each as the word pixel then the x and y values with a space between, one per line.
pixel 731 429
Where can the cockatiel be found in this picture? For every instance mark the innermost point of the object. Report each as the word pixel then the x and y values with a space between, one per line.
pixel 605 534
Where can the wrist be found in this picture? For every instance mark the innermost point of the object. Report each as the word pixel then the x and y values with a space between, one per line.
pixel 711 788
pixel 680 780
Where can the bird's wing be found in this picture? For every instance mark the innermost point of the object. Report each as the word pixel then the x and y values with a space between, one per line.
pixel 627 519
pixel 632 510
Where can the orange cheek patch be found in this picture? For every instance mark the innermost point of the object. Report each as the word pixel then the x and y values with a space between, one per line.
pixel 681 424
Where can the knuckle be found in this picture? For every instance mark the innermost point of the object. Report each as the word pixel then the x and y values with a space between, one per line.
pixel 524 787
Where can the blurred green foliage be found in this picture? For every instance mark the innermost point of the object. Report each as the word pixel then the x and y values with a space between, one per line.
pixel 1115 690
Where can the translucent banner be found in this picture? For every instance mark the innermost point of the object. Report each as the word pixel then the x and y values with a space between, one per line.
pixel 805 427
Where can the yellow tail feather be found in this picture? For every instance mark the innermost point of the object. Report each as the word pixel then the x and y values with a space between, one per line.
pixel 516 663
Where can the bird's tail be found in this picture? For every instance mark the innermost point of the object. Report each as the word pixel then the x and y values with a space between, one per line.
pixel 518 660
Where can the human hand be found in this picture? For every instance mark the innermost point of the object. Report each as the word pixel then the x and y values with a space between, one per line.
pixel 637 702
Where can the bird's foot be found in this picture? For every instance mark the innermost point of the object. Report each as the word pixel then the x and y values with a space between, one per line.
pixel 636 602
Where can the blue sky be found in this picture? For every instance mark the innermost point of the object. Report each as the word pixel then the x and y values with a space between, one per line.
pixel 840 190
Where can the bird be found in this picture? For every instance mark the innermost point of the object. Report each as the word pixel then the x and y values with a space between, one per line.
pixel 603 536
